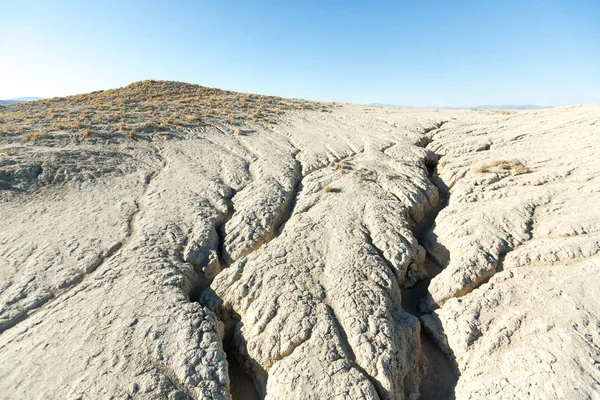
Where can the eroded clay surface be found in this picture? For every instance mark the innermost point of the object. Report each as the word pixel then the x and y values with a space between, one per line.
pixel 517 310
pixel 137 269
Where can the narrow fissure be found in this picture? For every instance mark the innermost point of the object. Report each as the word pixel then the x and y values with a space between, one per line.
pixel 441 378
pixel 220 228
pixel 289 208
pixel 241 384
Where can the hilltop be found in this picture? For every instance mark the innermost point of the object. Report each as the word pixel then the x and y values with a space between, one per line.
pixel 147 107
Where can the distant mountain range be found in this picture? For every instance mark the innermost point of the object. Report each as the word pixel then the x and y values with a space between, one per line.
pixel 18 100
pixel 485 107
pixel 510 107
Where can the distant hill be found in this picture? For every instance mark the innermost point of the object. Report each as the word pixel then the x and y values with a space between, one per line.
pixel 510 107
pixel 18 100
pixel 484 107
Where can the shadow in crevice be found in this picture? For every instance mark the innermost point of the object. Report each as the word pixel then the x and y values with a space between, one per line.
pixel 246 378
pixel 241 384
pixel 442 371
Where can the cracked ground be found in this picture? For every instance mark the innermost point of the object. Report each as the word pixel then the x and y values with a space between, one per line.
pixel 358 253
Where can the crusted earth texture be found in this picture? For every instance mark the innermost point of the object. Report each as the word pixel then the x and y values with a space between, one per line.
pixel 296 250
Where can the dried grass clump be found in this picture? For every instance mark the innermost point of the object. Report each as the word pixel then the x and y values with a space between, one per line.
pixel 359 174
pixel 88 133
pixel 341 165
pixel 331 189
pixel 514 167
pixel 520 169
pixel 149 125
pixel 33 136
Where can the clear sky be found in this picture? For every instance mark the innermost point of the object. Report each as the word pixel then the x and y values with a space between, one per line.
pixel 414 53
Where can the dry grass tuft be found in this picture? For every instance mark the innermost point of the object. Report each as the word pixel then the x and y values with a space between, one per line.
pixel 520 169
pixel 514 167
pixel 331 189
pixel 88 133
pixel 359 174
pixel 33 136
pixel 341 165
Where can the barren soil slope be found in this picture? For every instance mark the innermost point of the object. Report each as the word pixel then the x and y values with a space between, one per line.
pixel 166 240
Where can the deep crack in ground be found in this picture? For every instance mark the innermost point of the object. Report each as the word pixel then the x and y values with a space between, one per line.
pixel 442 377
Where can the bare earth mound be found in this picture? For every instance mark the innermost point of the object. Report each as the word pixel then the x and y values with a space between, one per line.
pixel 166 240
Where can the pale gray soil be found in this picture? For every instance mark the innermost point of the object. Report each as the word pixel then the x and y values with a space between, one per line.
pixel 316 257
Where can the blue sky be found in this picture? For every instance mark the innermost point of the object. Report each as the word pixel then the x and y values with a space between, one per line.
pixel 414 53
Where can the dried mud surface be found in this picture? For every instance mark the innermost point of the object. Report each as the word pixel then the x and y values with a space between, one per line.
pixel 337 251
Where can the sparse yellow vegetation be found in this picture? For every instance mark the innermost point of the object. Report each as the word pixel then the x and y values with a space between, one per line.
pixel 148 106
pixel 33 136
pixel 520 169
pixel 148 125
pixel 514 167
pixel 331 189
pixel 358 174
pixel 342 165
pixel 132 135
